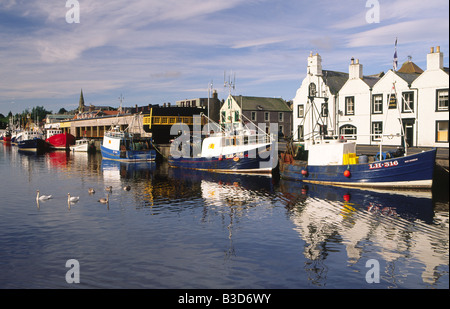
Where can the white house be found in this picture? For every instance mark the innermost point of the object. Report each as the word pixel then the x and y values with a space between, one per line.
pixel 353 112
pixel 433 84
pixel 319 87
pixel 377 108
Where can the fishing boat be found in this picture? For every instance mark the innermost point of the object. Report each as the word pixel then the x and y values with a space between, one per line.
pixel 32 141
pixel 59 140
pixel 126 147
pixel 7 136
pixel 332 160
pixel 241 150
pixel 81 145
pixel 335 162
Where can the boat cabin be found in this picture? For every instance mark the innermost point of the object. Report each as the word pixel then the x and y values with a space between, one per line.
pixel 331 152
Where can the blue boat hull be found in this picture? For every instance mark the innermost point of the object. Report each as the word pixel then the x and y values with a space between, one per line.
pixel 413 171
pixel 226 164
pixel 33 145
pixel 128 155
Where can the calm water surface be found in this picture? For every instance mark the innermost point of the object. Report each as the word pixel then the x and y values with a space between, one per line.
pixel 185 229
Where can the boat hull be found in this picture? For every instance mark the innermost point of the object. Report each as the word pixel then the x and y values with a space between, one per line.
pixel 226 164
pixel 33 145
pixel 128 155
pixel 61 141
pixel 412 171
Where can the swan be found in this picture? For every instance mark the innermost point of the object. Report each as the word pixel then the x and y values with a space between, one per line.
pixel 127 188
pixel 72 199
pixel 42 197
pixel 104 200
pixel 91 191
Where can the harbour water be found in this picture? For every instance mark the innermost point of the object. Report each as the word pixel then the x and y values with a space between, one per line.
pixel 179 229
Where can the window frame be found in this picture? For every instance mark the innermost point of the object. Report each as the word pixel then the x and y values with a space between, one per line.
pixel 404 94
pixel 347 105
pixel 375 138
pixel 374 104
pixel 437 131
pixel 438 109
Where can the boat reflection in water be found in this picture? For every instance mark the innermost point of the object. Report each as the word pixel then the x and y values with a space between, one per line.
pixel 387 226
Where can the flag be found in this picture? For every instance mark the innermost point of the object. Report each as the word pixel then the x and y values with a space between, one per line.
pixel 395 63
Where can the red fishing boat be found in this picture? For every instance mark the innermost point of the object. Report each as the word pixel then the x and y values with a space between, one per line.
pixel 59 140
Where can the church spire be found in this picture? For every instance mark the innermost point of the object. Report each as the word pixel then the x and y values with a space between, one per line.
pixel 81 102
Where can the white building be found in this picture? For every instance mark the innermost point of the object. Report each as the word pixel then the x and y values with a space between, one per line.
pixel 321 87
pixel 375 108
pixel 433 84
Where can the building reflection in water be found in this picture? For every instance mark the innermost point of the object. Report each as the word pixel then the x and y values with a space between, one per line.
pixel 388 226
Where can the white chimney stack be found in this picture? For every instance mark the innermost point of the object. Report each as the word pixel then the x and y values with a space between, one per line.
pixel 435 59
pixel 355 70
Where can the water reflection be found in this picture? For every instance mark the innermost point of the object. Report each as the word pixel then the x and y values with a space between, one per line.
pixel 374 224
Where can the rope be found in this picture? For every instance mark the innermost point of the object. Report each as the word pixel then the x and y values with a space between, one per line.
pixel 156 148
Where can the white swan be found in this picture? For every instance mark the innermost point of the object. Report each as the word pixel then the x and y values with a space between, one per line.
pixel 72 199
pixel 104 200
pixel 42 197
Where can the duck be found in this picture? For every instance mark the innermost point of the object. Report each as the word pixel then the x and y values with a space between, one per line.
pixel 104 200
pixel 108 188
pixel 91 190
pixel 127 188
pixel 72 199
pixel 42 197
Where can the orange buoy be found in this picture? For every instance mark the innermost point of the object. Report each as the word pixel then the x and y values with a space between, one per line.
pixel 347 173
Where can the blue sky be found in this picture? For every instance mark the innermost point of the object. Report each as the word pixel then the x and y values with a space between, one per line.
pixel 153 51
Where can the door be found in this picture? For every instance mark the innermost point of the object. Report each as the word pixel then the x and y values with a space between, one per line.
pixel 408 129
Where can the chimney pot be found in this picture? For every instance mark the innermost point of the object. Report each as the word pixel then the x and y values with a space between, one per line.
pixel 438 49
pixel 432 50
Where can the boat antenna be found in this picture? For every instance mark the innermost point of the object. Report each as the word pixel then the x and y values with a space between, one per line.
pixel 231 84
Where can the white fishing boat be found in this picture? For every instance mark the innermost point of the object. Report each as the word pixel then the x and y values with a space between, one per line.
pixel 81 145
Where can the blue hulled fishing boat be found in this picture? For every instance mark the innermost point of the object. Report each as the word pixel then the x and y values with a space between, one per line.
pixel 126 147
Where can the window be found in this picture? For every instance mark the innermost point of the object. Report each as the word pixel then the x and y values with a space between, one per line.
pixel 280 117
pixel 300 132
pixel 253 116
pixel 300 111
pixel 312 90
pixel 280 129
pixel 442 131
pixel 408 102
pixel 324 110
pixel 349 105
pixel 377 130
pixel 266 116
pixel 348 131
pixel 377 104
pixel 442 100
pixel 224 115
pixel 236 116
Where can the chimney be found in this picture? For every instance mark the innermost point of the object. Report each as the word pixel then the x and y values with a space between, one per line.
pixel 314 64
pixel 435 59
pixel 355 69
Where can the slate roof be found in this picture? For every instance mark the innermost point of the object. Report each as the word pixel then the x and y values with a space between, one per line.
pixel 334 80
pixel 261 103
